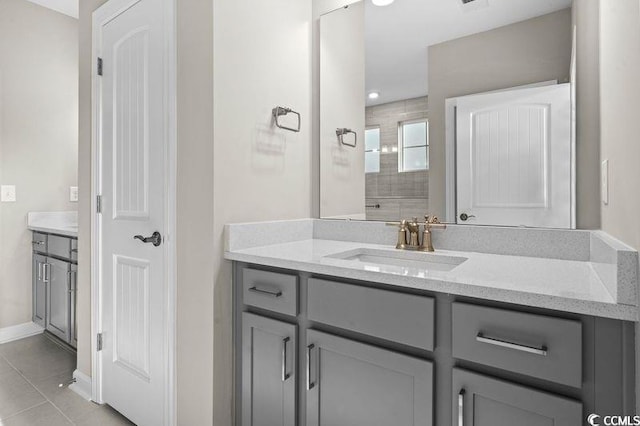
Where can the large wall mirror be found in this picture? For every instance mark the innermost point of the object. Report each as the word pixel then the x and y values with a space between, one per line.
pixel 461 109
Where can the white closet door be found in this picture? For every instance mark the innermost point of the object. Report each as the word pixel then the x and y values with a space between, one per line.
pixel 513 154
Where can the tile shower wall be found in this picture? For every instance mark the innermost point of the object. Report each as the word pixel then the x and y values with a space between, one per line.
pixel 398 195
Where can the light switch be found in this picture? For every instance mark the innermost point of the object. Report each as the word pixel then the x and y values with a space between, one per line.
pixel 8 193
pixel 604 182
pixel 73 194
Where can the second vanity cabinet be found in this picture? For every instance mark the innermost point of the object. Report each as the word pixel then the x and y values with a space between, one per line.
pixel 54 285
pixel 327 351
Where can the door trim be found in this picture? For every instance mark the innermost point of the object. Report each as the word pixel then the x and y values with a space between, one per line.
pixel 101 16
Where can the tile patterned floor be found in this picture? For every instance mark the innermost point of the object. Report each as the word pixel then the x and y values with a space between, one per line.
pixel 30 371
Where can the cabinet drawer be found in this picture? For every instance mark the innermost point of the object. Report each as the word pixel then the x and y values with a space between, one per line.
pixel 39 242
pixel 397 317
pixel 270 290
pixel 59 246
pixel 536 345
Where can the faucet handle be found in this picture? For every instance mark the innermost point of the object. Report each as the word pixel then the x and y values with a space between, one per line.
pixel 433 222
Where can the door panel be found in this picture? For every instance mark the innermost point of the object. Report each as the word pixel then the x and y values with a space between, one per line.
pixel 39 291
pixel 58 298
pixel 133 144
pixel 485 401
pixel 269 372
pixel 513 151
pixel 350 383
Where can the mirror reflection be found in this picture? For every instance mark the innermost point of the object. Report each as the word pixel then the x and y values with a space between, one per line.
pixel 460 109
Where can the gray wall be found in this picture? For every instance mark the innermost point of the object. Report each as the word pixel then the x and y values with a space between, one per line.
pixel 38 135
pixel 585 20
pixel 527 52
pixel 400 195
pixel 620 127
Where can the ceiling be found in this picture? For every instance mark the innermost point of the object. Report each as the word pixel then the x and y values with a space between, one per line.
pixel 397 36
pixel 67 7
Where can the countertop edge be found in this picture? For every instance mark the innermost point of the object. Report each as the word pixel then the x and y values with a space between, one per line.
pixel 552 302
pixel 53 230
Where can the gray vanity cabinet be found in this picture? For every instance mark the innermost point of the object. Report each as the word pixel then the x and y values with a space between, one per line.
pixel 39 290
pixel 54 285
pixel 269 372
pixel 351 383
pixel 58 301
pixel 484 401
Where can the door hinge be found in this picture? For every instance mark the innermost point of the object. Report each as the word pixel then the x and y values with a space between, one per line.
pixel 99 341
pixel 99 66
pixel 99 204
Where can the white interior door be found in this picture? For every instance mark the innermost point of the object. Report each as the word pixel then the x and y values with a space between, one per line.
pixel 133 142
pixel 513 155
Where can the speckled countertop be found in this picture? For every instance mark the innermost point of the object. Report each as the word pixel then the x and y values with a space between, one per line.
pixel 560 284
pixel 59 223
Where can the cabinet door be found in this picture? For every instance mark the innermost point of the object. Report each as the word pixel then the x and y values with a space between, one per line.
pixel 350 383
pixel 73 292
pixel 485 401
pixel 268 372
pixel 39 296
pixel 58 300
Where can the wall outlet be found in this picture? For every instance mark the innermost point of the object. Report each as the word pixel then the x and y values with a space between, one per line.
pixel 604 182
pixel 73 194
pixel 8 193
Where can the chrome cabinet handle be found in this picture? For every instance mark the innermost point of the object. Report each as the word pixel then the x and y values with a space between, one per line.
pixel 310 384
pixel 46 272
pixel 37 243
pixel 39 266
pixel 505 344
pixel 74 282
pixel 155 239
pixel 461 407
pixel 255 289
pixel 285 375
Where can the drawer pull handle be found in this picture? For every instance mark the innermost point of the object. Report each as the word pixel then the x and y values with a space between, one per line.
pixel 285 375
pixel 497 342
pixel 266 292
pixel 461 407
pixel 310 384
pixel 38 243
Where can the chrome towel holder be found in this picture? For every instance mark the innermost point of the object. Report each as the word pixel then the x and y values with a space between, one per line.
pixel 344 131
pixel 281 111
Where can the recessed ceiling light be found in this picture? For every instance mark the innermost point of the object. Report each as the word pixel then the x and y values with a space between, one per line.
pixel 374 95
pixel 382 2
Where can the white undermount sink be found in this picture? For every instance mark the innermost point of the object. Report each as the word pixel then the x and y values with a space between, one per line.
pixel 401 258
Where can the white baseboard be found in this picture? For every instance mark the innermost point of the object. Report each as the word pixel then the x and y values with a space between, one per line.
pixel 82 385
pixel 20 331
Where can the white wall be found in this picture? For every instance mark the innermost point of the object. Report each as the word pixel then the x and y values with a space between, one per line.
pixel 261 59
pixel 38 135
pixel 342 105
pixel 620 127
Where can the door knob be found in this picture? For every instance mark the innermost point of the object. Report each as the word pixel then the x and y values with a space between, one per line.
pixel 155 239
pixel 464 217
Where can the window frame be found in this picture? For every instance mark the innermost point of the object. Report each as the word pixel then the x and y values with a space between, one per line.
pixel 401 147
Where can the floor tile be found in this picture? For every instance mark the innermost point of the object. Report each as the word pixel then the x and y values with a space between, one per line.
pixel 16 394
pixel 104 416
pixel 70 403
pixel 34 344
pixel 42 415
pixel 36 365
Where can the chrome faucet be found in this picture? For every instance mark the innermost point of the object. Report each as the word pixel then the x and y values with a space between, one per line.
pixel 413 229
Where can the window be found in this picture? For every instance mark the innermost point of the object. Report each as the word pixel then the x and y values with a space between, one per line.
pixel 413 146
pixel 372 150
